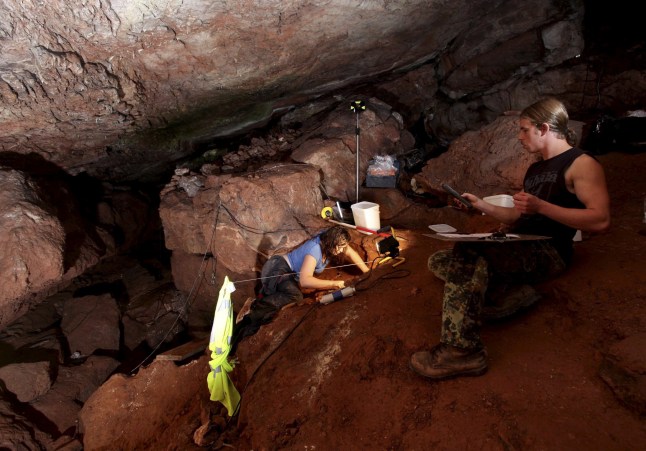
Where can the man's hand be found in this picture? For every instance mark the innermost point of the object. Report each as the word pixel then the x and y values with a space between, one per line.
pixel 526 203
pixel 505 215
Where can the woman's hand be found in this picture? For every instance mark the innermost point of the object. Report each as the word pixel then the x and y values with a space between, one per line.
pixel 308 280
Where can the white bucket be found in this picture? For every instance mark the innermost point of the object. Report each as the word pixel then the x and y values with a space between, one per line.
pixel 366 215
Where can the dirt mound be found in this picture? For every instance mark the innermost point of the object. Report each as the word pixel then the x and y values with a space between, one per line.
pixel 340 379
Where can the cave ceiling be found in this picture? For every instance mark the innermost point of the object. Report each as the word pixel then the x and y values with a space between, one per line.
pixel 119 89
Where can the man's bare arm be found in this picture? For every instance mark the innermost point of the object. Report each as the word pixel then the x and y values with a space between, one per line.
pixel 586 179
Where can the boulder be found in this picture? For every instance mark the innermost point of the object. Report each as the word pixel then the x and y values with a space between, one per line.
pixel 27 380
pixel 485 162
pixel 129 413
pixel 78 382
pixel 155 316
pixel 32 243
pixel 111 89
pixel 60 410
pixel 17 432
pixel 91 323
pixel 333 146
pixel 236 217
pixel 624 370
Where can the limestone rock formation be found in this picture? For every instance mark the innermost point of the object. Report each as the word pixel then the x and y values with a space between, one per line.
pixel 234 220
pixel 484 162
pixel 32 242
pixel 120 89
pixel 27 381
pixel 124 91
pixel 624 370
pixel 91 323
pixel 49 234
pixel 120 413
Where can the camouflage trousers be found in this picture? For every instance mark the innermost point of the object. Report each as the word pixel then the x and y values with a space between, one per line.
pixel 469 270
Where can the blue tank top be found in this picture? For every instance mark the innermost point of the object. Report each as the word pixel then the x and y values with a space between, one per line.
pixel 546 180
pixel 311 247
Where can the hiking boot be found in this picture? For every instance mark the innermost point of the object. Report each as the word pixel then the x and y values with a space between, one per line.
pixel 244 311
pixel 509 302
pixel 444 361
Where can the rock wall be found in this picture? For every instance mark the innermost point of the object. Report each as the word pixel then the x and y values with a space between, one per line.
pixel 32 243
pixel 49 235
pixel 122 89
pixel 219 225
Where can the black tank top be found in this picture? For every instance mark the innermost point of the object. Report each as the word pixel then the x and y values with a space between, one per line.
pixel 546 180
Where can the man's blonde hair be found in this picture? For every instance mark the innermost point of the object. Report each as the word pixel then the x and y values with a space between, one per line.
pixel 553 113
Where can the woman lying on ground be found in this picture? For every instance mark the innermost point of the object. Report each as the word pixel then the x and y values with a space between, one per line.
pixel 284 276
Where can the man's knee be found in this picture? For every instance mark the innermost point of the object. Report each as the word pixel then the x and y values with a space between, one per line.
pixel 439 263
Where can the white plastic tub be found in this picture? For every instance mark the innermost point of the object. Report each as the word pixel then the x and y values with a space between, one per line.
pixel 366 215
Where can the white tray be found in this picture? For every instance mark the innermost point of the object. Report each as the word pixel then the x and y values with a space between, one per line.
pixel 442 228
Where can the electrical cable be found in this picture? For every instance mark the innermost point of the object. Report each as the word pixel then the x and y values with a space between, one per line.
pixel 292 273
pixel 201 270
pixel 188 297
pixel 273 351
pixel 391 275
pixel 396 274
pixel 207 252
pixel 200 273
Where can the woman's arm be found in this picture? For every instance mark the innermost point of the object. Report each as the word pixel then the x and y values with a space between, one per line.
pixel 307 279
pixel 354 257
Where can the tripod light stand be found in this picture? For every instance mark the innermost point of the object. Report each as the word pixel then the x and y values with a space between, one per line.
pixel 357 106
